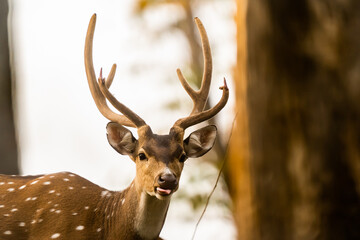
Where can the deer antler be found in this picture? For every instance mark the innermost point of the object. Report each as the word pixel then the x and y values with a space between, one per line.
pixel 101 92
pixel 199 97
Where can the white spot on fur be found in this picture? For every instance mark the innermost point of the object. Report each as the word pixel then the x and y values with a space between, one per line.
pixel 66 179
pixel 28 199
pixel 71 175
pixel 80 228
pixel 51 176
pixel 7 215
pixel 1 206
pixel 98 230
pixel 33 221
pixel 71 188
pixel 58 211
pixel 11 189
pixel 104 193
pixel 55 235
pixel 51 191
pixel 2 183
pixel 22 187
pixel 75 213
pixel 8 232
pixel 86 207
pixel 123 201
pixel 34 182
pixel 10 182
pixel 83 187
pixel 21 224
pixel 47 183
pixel 13 210
pixel 34 198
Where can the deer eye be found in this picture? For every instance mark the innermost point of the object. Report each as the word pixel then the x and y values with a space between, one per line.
pixel 183 157
pixel 142 156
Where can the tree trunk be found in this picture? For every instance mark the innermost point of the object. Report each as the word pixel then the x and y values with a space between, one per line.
pixel 304 118
pixel 237 171
pixel 8 147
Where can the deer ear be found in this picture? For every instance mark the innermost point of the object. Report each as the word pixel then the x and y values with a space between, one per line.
pixel 121 139
pixel 200 141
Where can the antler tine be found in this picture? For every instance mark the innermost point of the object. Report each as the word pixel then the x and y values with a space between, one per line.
pixel 110 77
pixel 96 93
pixel 194 119
pixel 139 122
pixel 200 97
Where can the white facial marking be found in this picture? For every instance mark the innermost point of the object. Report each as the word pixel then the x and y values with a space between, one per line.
pixel 22 187
pixel 21 224
pixel 47 183
pixel 80 228
pixel 55 235
pixel 11 189
pixel 8 232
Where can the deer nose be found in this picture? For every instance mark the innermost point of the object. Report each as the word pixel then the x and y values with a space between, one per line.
pixel 167 181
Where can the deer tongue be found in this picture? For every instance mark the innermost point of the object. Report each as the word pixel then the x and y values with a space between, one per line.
pixel 163 191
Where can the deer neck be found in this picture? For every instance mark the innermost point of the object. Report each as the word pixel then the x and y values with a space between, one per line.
pixel 138 214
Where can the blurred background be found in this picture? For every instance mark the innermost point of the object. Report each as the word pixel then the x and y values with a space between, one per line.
pixel 289 136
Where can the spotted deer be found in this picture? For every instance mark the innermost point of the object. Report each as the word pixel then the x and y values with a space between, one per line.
pixel 67 206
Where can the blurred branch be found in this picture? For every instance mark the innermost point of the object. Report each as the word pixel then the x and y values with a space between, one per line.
pixel 8 147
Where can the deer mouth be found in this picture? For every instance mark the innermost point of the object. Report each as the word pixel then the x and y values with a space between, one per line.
pixel 163 191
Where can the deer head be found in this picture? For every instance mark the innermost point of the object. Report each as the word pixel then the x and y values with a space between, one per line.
pixel 159 159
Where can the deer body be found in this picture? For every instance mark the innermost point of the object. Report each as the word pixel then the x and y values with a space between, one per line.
pixel 67 206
